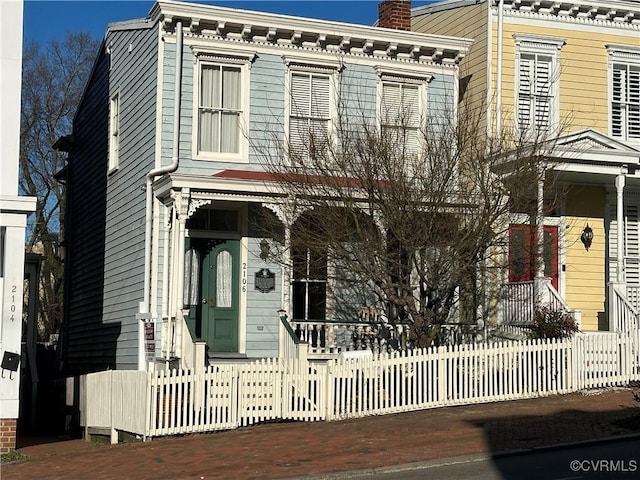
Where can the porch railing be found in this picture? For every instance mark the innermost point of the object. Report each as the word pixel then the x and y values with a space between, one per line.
pixel 633 296
pixel 624 314
pixel 291 346
pixel 330 338
pixel 517 303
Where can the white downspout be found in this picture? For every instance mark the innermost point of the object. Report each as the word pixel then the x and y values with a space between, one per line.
pixel 489 99
pixel 145 306
pixel 499 70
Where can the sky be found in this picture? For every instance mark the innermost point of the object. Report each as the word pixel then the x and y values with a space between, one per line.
pixel 46 20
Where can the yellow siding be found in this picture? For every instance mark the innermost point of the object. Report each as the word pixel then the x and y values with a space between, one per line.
pixel 584 80
pixel 467 22
pixel 585 275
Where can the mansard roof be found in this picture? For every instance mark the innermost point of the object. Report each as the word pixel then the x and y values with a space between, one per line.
pixel 311 34
pixel 615 11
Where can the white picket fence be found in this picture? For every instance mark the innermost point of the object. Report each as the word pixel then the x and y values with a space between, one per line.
pixel 228 396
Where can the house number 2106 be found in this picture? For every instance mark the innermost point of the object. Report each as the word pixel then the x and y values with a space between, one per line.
pixel 244 276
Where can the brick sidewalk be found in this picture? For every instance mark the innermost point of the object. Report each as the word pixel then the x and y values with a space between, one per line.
pixel 289 450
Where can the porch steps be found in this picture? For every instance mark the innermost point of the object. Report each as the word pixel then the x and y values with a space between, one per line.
pixel 216 358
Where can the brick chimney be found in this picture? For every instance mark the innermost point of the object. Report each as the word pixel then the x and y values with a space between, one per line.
pixel 395 14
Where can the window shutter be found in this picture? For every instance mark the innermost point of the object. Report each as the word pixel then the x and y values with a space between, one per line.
pixel 625 101
pixel 535 95
pixel 525 74
pixel 634 102
pixel 617 98
pixel 543 91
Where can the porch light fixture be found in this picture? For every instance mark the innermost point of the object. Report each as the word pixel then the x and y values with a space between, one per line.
pixel 587 237
pixel 264 250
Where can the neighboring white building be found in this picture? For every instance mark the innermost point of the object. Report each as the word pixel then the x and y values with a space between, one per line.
pixel 13 218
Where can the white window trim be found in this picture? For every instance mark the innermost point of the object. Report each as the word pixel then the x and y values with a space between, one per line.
pixel 331 68
pixel 243 60
pixel 408 78
pixel 540 45
pixel 626 55
pixel 114 131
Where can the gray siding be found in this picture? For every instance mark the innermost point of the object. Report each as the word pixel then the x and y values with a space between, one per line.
pixel 106 212
pixel 266 124
pixel 358 87
pixel 134 74
pixel 186 111
pixel 441 97
pixel 262 308
pixel 87 344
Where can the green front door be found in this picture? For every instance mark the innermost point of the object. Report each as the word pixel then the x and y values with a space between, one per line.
pixel 217 316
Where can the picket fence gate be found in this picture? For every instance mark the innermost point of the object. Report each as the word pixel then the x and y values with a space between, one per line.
pixel 227 396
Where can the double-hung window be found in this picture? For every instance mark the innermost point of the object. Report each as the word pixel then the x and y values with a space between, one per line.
pixel 220 108
pixel 310 106
pixel 625 93
pixel 114 132
pixel 221 105
pixel 309 283
pixel 400 112
pixel 310 114
pixel 537 93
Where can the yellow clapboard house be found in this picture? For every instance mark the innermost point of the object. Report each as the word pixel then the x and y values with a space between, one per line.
pixel 573 68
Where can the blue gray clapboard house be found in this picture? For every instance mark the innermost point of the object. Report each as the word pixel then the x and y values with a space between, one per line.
pixel 166 174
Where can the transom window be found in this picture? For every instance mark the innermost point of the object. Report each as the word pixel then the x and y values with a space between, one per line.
pixel 220 108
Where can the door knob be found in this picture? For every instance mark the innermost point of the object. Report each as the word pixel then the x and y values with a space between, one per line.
pixel 204 301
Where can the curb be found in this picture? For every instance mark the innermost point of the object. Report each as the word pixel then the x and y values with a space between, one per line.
pixel 406 467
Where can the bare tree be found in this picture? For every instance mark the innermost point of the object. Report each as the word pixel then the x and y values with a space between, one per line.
pixel 53 79
pixel 404 213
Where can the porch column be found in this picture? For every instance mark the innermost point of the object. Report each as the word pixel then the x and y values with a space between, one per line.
pixel 620 181
pixel 182 221
pixel 540 226
pixel 540 289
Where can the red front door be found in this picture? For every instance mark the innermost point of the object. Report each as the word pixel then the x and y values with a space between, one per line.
pixel 522 253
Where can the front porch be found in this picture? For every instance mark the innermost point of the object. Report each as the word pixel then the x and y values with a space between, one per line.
pixel 594 264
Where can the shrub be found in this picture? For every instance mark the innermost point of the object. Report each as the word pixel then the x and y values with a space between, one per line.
pixel 549 323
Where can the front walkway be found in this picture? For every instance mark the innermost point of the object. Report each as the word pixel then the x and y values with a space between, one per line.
pixel 290 450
